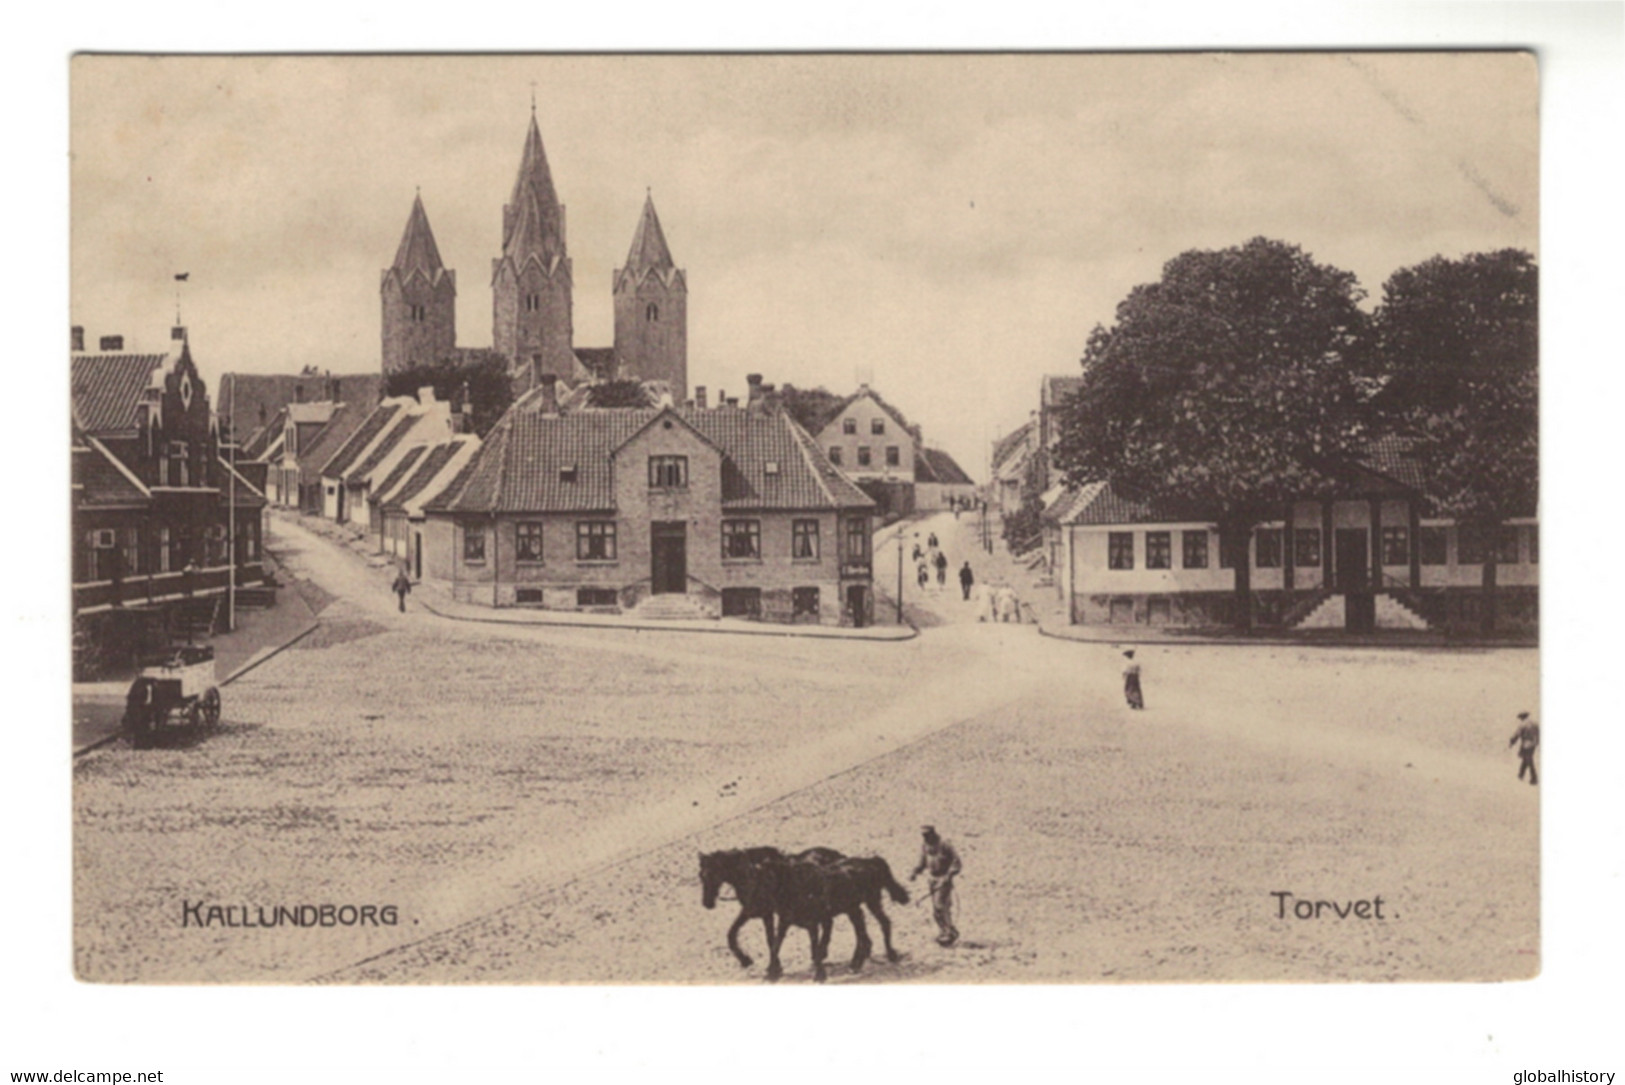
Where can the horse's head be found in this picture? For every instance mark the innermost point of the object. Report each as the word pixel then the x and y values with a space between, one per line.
pixel 713 872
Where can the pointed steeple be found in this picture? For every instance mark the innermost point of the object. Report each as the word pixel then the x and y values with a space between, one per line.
pixel 418 251
pixel 649 242
pixel 533 221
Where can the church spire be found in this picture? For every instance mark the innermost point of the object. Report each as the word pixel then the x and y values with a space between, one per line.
pixel 533 221
pixel 418 251
pixel 649 242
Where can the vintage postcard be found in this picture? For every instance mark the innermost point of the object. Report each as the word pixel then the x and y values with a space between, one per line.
pixel 951 519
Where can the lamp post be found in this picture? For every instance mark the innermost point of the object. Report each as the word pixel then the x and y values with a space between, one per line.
pixel 899 572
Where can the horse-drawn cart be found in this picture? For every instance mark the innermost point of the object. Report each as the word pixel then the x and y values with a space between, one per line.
pixel 176 689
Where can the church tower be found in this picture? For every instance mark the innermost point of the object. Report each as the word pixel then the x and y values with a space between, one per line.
pixel 651 309
pixel 530 281
pixel 419 296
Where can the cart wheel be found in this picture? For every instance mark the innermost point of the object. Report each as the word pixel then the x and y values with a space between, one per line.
pixel 195 716
pixel 211 707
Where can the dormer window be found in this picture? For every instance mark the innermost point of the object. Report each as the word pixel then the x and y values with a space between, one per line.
pixel 567 473
pixel 771 467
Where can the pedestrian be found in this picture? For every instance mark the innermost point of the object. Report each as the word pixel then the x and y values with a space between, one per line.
pixel 932 540
pixel 1131 682
pixel 1009 607
pixel 966 579
pixel 918 553
pixel 924 575
pixel 942 568
pixel 939 859
pixel 1527 739
pixel 402 587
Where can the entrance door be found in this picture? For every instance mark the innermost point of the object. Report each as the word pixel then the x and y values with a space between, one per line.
pixel 417 555
pixel 857 601
pixel 1351 558
pixel 668 547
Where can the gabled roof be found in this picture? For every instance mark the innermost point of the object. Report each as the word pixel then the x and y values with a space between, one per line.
pixel 100 479
pixel 359 440
pixel 417 251
pixel 247 494
pixel 381 492
pixel 519 469
pixel 328 440
pixel 865 390
pixel 935 465
pixel 245 395
pixel 107 388
pixel 385 445
pixel 305 413
pixel 429 467
pixel 599 361
pixel 261 442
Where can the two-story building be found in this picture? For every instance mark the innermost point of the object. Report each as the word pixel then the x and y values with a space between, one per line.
pixel 671 512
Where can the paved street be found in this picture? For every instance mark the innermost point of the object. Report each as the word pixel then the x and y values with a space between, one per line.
pixel 531 800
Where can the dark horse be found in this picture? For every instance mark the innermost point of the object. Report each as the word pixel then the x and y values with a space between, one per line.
pixel 742 869
pixel 810 895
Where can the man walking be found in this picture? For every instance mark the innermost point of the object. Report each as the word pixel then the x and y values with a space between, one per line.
pixel 1527 739
pixel 402 587
pixel 941 861
pixel 966 579
pixel 1131 682
pixel 942 569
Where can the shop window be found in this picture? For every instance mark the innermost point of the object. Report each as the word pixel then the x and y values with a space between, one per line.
pixel 857 539
pixel 1194 544
pixel 1306 547
pixel 1159 548
pixel 1120 550
pixel 741 602
pixel 1267 547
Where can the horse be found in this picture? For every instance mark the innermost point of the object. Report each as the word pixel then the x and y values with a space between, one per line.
pixel 741 869
pixel 810 895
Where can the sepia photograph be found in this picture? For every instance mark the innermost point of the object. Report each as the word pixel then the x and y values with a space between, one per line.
pixel 1029 518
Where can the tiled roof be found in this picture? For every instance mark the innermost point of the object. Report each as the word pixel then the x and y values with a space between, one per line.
pixel 107 387
pixel 865 390
pixel 399 471
pixel 328 440
pixel 384 447
pixel 1394 458
pixel 935 465
pixel 100 480
pixel 518 470
pixel 352 449
pixel 428 468
pixel 247 395
pixel 261 441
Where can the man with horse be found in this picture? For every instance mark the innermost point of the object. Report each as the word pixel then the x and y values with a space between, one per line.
pixel 941 861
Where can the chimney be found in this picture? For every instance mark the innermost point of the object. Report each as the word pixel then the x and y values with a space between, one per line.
pixel 426 394
pixel 722 399
pixel 549 384
pixel 298 393
pixel 333 389
pixel 112 342
pixel 733 401
pixel 699 396
pixel 753 398
pixel 78 337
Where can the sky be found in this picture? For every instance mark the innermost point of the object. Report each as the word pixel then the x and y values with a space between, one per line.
pixel 947 227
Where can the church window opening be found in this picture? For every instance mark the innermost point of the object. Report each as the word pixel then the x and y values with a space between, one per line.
pixel 420 313
pixel 533 303
pixel 652 313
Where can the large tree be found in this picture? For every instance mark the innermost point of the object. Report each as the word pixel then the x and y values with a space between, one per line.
pixel 480 387
pixel 1457 345
pixel 1222 391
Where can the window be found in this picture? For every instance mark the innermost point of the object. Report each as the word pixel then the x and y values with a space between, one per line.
pixel 1506 545
pixel 595 540
pixel 531 596
pixel 1396 546
pixel 1431 542
pixel 1469 546
pixel 1534 545
pixel 419 313
pixel 804 603
pixel 1195 544
pixel 165 549
pixel 596 597
pixel 864 458
pixel 651 313
pixel 130 558
pixel 533 302
pixel 527 542
pixel 1159 547
pixel 668 472
pixel 741 602
pixel 473 544
pixel 857 538
pixel 1120 550
pixel 1232 551
pixel 877 426
pixel 1267 549
pixel 180 453
pixel 1306 547
pixel 741 539
pixel 849 425
pixel 804 540
pixel 894 456
pixel 835 455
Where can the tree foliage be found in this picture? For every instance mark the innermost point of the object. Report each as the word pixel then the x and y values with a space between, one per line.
pixel 481 388
pixel 626 392
pixel 1457 346
pixel 812 408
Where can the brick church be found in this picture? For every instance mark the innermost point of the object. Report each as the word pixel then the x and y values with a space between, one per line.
pixel 531 296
